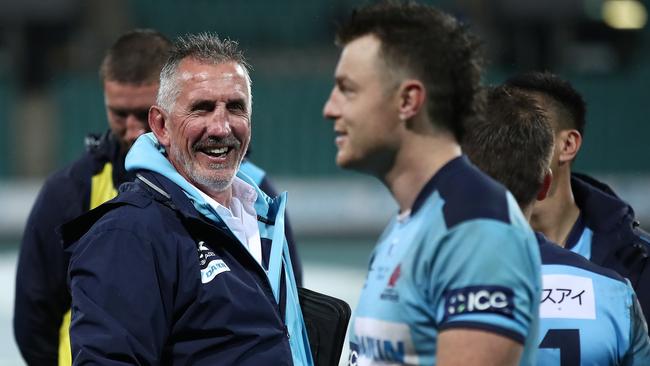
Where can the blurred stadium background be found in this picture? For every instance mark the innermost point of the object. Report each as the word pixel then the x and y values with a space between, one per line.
pixel 50 97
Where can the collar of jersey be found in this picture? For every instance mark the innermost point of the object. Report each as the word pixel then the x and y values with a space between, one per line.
pixel 449 168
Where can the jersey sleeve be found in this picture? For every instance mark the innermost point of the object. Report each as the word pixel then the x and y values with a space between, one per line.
pixel 120 306
pixel 486 275
pixel 639 352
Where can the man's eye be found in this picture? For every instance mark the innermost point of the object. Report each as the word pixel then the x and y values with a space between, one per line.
pixel 345 89
pixel 142 115
pixel 204 106
pixel 236 106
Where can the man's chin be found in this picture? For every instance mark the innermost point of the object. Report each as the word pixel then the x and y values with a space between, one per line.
pixel 345 162
pixel 216 183
pixel 357 165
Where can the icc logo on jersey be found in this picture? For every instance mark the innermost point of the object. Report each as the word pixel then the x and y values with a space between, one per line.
pixel 479 299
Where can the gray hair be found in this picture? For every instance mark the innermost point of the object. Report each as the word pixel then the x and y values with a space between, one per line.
pixel 204 47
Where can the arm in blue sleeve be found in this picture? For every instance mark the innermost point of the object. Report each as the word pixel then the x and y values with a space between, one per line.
pixel 486 275
pixel 120 308
pixel 639 352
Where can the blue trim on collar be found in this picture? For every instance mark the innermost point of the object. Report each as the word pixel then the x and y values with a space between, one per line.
pixel 576 232
pixel 552 253
pixel 448 169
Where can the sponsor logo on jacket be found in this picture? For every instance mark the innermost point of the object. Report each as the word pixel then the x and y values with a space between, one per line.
pixel 210 265
pixel 213 268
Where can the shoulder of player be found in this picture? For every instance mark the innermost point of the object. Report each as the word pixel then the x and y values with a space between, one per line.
pixel 469 194
pixel 554 255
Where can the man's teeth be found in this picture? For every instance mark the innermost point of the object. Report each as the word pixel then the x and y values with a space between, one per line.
pixel 218 151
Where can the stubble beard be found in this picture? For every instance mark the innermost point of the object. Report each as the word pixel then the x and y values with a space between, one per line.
pixel 196 178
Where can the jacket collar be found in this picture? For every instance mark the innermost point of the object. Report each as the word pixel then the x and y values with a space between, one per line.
pixel 165 191
pixel 600 207
pixel 170 194
pixel 147 154
pixel 106 147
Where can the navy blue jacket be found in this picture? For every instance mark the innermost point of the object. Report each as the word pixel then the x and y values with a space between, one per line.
pixel 42 296
pixel 618 243
pixel 147 249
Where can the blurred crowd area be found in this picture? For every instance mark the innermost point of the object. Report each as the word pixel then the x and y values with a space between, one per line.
pixel 50 94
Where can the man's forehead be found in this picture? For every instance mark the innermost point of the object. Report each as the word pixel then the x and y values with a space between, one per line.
pixel 364 48
pixel 229 80
pixel 198 70
pixel 125 95
pixel 358 57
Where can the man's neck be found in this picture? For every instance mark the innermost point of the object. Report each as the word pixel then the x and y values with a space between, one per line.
pixel 420 159
pixel 222 197
pixel 557 214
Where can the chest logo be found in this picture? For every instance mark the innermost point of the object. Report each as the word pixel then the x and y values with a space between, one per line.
pixel 380 342
pixel 210 265
pixel 389 292
pixel 213 268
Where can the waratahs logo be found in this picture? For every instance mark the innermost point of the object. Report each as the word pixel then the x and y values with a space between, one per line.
pixel 389 292
pixel 479 299
pixel 210 265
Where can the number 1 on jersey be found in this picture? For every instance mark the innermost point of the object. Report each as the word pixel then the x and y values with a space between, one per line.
pixel 567 341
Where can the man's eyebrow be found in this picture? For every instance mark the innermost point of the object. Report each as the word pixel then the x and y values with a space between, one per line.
pixel 201 104
pixel 119 110
pixel 239 99
pixel 342 79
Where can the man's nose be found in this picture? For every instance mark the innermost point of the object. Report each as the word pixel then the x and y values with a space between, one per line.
pixel 331 109
pixel 219 123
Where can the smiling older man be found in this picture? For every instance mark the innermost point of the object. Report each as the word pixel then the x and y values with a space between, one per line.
pixel 189 264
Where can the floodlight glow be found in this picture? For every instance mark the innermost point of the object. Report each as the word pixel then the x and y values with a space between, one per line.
pixel 625 14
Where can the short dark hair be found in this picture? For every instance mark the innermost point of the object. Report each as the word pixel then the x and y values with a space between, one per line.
pixel 513 144
pixel 432 46
pixel 566 100
pixel 136 57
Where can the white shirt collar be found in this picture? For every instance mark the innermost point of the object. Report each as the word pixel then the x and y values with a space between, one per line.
pixel 241 217
pixel 240 190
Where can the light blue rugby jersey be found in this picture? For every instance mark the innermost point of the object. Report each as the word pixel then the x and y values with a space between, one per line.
pixel 465 257
pixel 589 315
pixel 579 239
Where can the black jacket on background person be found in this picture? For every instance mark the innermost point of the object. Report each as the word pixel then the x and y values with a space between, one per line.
pixel 618 242
pixel 42 298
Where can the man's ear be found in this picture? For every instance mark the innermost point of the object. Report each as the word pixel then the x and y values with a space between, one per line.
pixel 546 185
pixel 569 142
pixel 158 122
pixel 411 98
